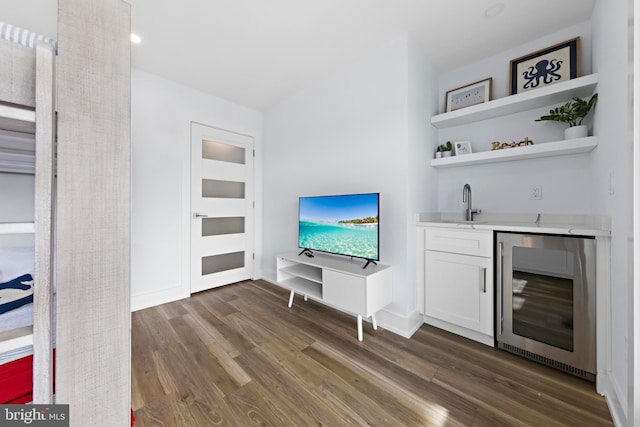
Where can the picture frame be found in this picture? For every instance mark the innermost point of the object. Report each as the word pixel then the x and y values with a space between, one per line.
pixel 466 96
pixel 554 64
pixel 462 147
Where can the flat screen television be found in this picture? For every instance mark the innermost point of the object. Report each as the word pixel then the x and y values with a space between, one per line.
pixel 343 225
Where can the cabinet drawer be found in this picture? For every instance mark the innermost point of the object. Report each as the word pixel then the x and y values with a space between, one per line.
pixel 467 242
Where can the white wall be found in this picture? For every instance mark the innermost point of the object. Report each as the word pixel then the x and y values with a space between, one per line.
pixel 613 155
pixel 350 133
pixel 504 187
pixel 17 197
pixel 161 115
pixel 17 255
pixel 422 182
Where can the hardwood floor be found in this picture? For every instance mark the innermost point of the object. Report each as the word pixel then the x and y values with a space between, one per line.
pixel 238 356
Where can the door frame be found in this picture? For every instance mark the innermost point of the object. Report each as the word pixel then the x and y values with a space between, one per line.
pixel 185 202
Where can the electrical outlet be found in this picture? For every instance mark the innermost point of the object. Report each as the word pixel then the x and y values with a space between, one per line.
pixel 535 192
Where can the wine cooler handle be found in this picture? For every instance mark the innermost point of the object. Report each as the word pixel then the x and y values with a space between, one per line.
pixel 499 290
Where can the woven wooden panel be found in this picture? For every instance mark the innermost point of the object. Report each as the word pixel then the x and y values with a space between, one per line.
pixel 93 361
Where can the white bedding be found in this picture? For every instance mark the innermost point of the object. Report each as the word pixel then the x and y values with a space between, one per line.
pixel 18 318
pixel 16 349
pixel 16 259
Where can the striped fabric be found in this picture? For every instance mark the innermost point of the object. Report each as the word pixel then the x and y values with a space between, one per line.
pixel 22 36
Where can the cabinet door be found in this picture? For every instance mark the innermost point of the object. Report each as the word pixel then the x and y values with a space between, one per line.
pixel 344 291
pixel 459 290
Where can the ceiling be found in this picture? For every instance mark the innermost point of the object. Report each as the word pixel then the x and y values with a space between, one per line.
pixel 256 52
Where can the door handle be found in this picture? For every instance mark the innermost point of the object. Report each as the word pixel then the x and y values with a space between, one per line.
pixel 199 215
pixel 483 279
pixel 499 291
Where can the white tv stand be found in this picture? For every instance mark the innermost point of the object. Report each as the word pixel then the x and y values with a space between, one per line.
pixel 339 282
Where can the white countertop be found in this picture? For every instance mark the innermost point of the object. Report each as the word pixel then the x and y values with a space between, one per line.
pixel 579 225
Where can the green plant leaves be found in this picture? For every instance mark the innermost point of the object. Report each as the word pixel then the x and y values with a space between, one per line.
pixel 445 147
pixel 572 112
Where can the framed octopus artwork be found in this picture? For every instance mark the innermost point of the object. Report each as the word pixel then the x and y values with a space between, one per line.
pixel 545 67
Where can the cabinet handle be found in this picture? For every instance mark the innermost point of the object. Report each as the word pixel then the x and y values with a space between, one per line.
pixel 483 279
pixel 499 290
pixel 199 215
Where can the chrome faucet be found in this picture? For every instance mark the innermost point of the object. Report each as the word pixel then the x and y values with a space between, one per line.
pixel 466 198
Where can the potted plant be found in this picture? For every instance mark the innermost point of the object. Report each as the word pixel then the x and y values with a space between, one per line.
pixel 572 112
pixel 444 150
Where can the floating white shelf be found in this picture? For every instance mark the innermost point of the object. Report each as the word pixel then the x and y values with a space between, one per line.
pixel 548 95
pixel 17 227
pixel 548 149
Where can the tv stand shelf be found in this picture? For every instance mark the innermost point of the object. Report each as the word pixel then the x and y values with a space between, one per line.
pixel 339 282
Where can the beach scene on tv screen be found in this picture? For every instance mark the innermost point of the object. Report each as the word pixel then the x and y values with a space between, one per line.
pixel 346 225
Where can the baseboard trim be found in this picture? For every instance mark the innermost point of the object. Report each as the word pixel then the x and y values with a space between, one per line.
pixel 405 326
pixel 140 302
pixel 616 400
pixel 459 330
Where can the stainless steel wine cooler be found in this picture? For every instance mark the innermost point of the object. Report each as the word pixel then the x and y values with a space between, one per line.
pixel 546 300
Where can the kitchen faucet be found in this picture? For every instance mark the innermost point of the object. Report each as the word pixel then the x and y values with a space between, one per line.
pixel 466 198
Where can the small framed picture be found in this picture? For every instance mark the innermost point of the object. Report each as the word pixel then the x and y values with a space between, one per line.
pixel 466 96
pixel 462 147
pixel 545 67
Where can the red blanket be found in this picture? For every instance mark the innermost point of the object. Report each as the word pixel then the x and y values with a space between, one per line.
pixel 16 382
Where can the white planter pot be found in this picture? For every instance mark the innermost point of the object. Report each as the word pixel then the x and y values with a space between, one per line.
pixel 446 154
pixel 576 132
pixel 438 154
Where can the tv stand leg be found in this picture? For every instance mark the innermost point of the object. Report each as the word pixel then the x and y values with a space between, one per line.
pixel 369 261
pixel 291 298
pixel 373 322
pixel 359 327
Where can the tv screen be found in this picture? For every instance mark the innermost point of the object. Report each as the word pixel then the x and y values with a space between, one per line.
pixel 345 225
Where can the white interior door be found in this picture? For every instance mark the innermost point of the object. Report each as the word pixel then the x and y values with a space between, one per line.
pixel 222 206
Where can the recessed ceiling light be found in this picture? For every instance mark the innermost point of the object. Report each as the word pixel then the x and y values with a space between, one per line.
pixel 493 11
pixel 135 38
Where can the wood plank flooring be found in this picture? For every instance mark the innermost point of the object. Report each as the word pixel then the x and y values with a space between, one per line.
pixel 237 356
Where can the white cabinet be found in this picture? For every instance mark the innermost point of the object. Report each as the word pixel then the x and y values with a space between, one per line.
pixel 457 281
pixel 338 282
pixel 459 289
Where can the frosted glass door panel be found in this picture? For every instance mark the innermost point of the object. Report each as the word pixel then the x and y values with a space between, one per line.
pixel 218 263
pixel 224 152
pixel 218 189
pixel 219 226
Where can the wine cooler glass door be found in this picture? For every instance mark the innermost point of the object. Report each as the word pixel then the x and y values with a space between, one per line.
pixel 547 301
